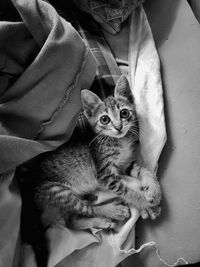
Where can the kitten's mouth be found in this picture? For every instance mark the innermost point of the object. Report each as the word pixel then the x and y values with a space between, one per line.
pixel 117 135
pixel 121 134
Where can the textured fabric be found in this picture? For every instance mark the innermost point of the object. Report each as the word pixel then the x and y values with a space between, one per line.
pixel 109 16
pixel 43 66
pixel 43 103
pixel 123 66
pixel 108 71
pixel 40 57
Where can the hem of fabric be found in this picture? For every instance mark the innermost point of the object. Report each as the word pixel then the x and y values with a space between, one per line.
pixel 65 98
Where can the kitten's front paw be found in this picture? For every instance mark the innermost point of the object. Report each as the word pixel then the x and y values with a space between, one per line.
pixel 151 213
pixel 152 193
pixel 80 222
pixel 149 184
pixel 150 189
pixel 105 224
pixel 117 211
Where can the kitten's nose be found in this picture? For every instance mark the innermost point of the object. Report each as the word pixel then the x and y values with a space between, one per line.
pixel 118 127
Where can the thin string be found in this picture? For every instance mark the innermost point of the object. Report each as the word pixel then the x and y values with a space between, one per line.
pixel 137 251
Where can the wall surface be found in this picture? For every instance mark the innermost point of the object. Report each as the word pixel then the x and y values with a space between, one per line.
pixel 177 232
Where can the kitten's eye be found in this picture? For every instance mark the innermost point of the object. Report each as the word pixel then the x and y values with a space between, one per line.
pixel 104 119
pixel 124 113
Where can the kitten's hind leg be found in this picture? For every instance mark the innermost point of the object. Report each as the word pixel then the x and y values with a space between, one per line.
pixel 114 210
pixel 68 204
pixel 86 223
pixel 63 199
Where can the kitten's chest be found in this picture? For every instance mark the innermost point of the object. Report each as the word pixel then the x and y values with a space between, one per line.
pixel 125 154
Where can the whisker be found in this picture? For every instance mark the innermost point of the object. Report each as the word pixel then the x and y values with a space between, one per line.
pixel 96 137
pixel 134 132
pixel 135 120
pixel 103 139
pixel 141 124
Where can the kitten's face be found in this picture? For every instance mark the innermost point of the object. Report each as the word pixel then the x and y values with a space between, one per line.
pixel 115 116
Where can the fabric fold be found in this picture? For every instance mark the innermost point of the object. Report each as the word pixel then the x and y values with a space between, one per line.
pixel 46 86
pixel 147 89
pixel 38 69
pixel 44 101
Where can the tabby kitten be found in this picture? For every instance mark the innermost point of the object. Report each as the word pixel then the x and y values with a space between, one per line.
pixel 69 177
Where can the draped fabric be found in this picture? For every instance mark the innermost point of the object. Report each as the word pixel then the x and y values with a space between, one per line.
pixel 39 110
pixel 108 14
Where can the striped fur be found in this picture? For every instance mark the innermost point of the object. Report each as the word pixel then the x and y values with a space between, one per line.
pixel 69 177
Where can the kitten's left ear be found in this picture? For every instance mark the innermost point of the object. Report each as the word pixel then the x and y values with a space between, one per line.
pixel 122 89
pixel 89 101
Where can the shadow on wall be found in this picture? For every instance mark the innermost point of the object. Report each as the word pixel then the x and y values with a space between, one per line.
pixel 163 19
pixel 161 22
pixel 162 16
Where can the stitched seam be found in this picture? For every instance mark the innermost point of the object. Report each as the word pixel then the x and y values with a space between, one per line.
pixel 65 98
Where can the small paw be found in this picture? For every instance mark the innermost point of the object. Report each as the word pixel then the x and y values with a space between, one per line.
pixel 151 213
pixel 135 172
pixel 118 212
pixel 155 212
pixel 144 214
pixel 150 187
pixel 153 195
pixel 106 224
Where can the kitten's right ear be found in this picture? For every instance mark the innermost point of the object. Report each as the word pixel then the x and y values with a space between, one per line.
pixel 89 101
pixel 122 89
